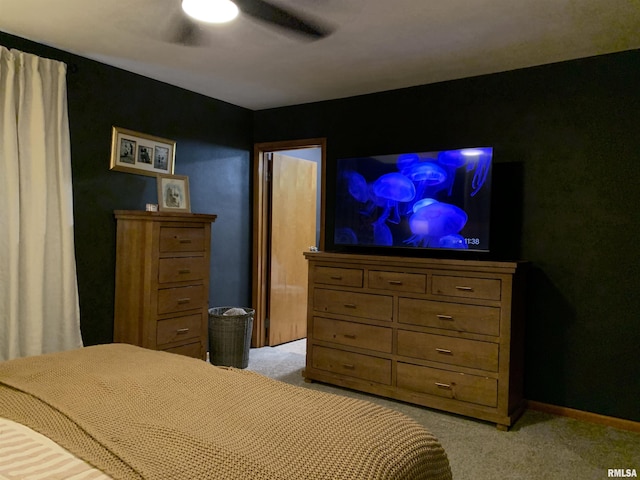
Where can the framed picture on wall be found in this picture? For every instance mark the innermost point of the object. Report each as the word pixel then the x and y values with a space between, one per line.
pixel 139 153
pixel 173 193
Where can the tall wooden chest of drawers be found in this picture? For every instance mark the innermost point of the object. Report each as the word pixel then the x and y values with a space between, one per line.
pixel 446 334
pixel 162 281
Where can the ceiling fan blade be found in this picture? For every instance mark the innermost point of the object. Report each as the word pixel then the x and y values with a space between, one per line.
pixel 185 31
pixel 285 18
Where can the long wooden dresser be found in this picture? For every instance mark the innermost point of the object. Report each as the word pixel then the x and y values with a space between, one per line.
pixel 162 281
pixel 446 334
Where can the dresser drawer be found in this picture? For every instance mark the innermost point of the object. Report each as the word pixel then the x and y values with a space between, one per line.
pixel 352 334
pixel 348 277
pixel 351 364
pixel 178 329
pixel 181 298
pixel 182 239
pixel 442 383
pixel 363 305
pixel 398 281
pixel 449 350
pixel 450 316
pixel 466 287
pixel 181 269
pixel 191 350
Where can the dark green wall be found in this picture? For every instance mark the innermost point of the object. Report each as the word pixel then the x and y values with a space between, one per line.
pixel 214 141
pixel 567 153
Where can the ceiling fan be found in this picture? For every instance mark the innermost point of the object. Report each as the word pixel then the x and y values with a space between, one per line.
pixel 188 29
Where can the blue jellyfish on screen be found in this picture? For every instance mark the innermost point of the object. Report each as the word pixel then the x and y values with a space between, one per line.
pixel 382 234
pixel 473 158
pixel 389 190
pixel 426 174
pixel 345 236
pixel 436 220
pixel 423 203
pixel 455 241
pixel 452 158
pixel 480 160
pixel 357 186
pixel 405 161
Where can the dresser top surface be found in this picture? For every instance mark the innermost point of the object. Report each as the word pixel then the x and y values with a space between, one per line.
pixel 416 262
pixel 163 216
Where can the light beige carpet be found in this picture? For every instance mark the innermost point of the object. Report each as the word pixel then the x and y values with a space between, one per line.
pixel 539 446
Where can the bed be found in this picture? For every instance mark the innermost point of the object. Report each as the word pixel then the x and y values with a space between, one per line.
pixel 125 412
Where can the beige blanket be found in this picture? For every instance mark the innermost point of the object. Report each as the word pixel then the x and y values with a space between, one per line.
pixel 141 414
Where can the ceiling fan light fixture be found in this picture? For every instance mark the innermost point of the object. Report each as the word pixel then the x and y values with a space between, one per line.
pixel 210 11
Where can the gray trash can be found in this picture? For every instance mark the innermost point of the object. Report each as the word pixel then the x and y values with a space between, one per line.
pixel 230 337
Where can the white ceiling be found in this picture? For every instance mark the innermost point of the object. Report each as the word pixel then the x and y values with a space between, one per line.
pixel 376 45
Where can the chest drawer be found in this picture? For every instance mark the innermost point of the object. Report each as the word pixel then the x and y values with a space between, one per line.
pixel 182 239
pixel 191 350
pixel 181 298
pixel 363 305
pixel 466 287
pixel 178 329
pixel 398 281
pixel 181 269
pixel 450 316
pixel 351 364
pixel 352 334
pixel 449 350
pixel 348 277
pixel 442 383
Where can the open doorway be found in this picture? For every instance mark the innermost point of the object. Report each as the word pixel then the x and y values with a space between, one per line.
pixel 288 219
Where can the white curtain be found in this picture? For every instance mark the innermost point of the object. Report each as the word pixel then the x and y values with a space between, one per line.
pixel 39 310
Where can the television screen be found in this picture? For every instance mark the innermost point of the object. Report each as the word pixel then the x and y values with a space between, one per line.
pixel 432 200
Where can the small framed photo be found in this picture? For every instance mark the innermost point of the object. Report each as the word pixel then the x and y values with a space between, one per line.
pixel 139 153
pixel 173 193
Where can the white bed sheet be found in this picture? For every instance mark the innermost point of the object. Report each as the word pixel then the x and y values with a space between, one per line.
pixel 27 455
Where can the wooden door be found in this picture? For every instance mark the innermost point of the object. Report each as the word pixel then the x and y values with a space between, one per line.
pixel 292 232
pixel 262 208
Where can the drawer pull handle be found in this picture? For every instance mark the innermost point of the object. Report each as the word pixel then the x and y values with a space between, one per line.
pixel 180 331
pixel 184 271
pixel 395 282
pixel 349 366
pixel 464 289
pixel 350 305
pixel 443 385
pixel 445 317
pixel 182 301
pixel 184 240
pixel 444 351
pixel 336 277
pixel 350 336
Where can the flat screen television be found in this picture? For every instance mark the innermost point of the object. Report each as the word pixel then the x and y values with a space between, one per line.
pixel 438 201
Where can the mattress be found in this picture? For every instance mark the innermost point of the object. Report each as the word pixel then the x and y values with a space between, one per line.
pixel 134 413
